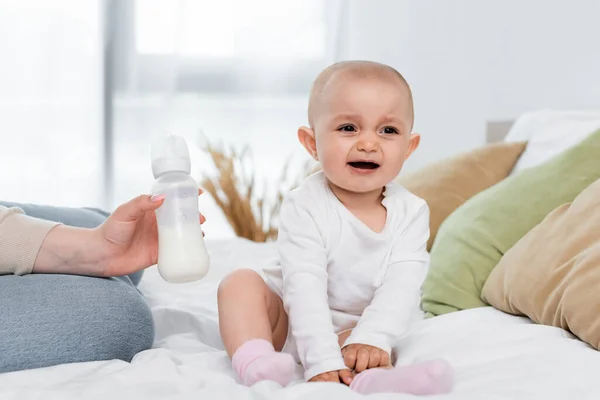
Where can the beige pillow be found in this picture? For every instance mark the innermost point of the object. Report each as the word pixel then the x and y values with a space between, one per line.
pixel 447 184
pixel 552 275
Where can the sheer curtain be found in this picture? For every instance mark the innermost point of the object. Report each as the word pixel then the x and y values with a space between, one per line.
pixel 51 117
pixel 234 71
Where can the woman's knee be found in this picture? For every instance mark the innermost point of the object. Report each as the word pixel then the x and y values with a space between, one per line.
pixel 57 319
pixel 126 327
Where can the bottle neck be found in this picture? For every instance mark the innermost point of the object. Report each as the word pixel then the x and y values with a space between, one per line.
pixel 171 173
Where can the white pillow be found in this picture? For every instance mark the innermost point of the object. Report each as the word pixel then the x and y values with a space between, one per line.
pixel 549 133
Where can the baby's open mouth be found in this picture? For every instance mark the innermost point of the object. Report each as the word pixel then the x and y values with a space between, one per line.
pixel 363 164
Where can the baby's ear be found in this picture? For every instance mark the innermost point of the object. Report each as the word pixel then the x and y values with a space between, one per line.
pixel 306 136
pixel 413 144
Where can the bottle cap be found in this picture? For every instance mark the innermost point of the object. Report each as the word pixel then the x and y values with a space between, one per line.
pixel 170 154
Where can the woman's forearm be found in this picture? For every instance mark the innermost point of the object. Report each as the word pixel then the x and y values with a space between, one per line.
pixel 69 250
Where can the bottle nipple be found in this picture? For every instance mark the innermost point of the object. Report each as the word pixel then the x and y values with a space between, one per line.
pixel 170 153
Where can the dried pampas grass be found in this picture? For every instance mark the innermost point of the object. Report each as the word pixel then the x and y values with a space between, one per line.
pixel 252 215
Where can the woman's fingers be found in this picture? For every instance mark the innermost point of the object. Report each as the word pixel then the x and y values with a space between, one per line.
pixel 142 204
pixel 202 220
pixel 202 217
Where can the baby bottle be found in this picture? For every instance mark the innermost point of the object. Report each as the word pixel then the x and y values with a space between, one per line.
pixel 182 255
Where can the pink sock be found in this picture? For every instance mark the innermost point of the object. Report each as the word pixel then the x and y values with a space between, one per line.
pixel 256 360
pixel 426 378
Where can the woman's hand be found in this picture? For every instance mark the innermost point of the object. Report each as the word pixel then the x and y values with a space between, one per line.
pixel 125 243
pixel 129 237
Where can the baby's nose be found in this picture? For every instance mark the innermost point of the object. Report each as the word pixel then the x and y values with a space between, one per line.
pixel 367 145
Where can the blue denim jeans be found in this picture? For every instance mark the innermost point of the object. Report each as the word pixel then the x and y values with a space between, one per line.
pixel 48 320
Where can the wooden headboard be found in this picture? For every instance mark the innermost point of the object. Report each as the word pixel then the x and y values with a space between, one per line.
pixel 496 131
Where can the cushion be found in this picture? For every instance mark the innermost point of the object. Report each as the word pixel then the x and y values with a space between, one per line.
pixel 552 275
pixel 550 132
pixel 474 238
pixel 447 184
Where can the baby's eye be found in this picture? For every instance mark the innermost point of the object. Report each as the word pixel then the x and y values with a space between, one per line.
pixel 390 130
pixel 347 128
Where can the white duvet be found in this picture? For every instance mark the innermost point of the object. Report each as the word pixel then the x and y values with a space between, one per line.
pixel 496 356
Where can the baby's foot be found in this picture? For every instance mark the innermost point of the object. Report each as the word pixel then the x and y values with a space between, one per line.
pixel 426 378
pixel 278 367
pixel 256 360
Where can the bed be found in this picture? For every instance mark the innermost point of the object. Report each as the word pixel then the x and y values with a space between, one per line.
pixel 496 355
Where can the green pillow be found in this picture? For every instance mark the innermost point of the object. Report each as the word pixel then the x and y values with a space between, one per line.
pixel 475 236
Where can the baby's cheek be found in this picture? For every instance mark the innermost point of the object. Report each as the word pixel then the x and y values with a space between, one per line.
pixel 331 163
pixel 394 160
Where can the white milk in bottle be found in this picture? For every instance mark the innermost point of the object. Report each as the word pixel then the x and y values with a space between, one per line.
pixel 182 255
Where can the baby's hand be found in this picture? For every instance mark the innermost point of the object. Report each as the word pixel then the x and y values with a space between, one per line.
pixel 359 357
pixel 342 375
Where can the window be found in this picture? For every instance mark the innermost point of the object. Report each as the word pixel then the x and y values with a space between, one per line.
pixel 51 144
pixel 220 47
pixel 230 28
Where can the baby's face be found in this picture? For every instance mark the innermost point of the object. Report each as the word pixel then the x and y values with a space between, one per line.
pixel 362 132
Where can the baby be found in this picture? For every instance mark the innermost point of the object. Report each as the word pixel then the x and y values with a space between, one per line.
pixel 352 248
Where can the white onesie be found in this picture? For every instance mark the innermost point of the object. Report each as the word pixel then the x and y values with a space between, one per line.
pixel 336 273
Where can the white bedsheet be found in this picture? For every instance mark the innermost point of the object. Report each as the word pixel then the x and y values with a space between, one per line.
pixel 496 356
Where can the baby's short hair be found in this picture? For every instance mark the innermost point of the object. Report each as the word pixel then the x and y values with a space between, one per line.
pixel 357 69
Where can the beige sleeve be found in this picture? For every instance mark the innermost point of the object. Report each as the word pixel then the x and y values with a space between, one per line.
pixel 21 238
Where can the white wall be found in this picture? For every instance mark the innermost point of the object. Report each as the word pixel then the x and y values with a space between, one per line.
pixel 471 61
